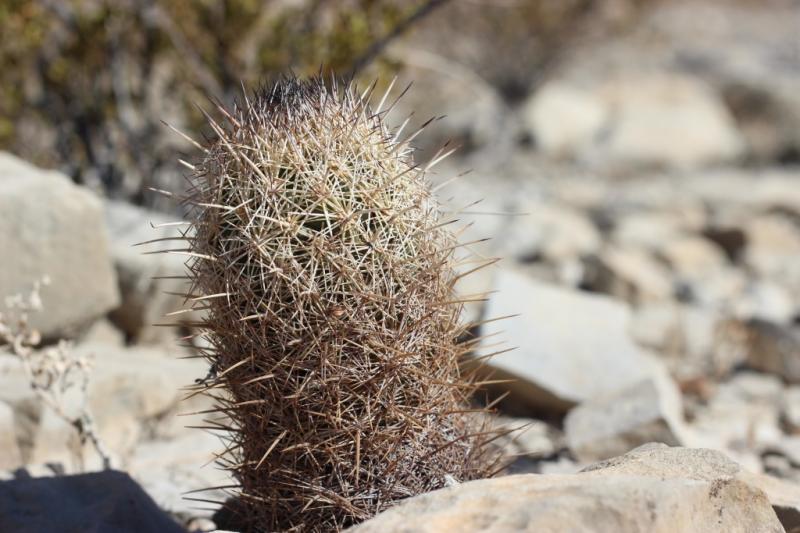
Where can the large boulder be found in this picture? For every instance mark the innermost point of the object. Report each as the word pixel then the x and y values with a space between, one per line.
pixel 684 490
pixel 51 227
pixel 570 346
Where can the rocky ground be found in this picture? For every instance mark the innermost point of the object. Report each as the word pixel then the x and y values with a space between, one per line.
pixel 648 214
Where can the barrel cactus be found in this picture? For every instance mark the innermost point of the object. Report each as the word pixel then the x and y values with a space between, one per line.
pixel 325 269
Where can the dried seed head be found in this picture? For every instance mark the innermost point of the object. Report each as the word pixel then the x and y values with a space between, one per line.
pixel 326 273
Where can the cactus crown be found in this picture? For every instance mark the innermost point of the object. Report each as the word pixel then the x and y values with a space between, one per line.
pixel 325 270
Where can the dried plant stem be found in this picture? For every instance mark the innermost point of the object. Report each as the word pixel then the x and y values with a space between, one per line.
pixel 52 372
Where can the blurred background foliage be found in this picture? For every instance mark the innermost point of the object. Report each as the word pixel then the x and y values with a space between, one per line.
pixel 87 84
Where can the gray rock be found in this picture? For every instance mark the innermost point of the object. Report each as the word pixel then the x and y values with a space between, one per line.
pixel 16 392
pixel 10 454
pixel 168 469
pixel 767 346
pixel 564 120
pixel 790 409
pixel 766 190
pixel 665 462
pixel 783 495
pixel 681 494
pixel 743 414
pixel 551 232
pixel 684 336
pixel 572 346
pixel 649 411
pixel 104 332
pixel 773 245
pixel 720 290
pixel 145 300
pixel 51 227
pixel 15 389
pixel 629 274
pixel 766 300
pixel 704 465
pixel 693 257
pixel 102 501
pixel 647 229
pixel 667 120
pixel 789 447
pixel 528 437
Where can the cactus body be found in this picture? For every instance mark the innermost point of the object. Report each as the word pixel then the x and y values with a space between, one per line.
pixel 325 270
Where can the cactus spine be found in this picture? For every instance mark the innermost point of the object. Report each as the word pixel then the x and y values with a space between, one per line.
pixel 325 269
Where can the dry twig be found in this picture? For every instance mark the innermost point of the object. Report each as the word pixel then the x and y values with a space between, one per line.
pixel 53 372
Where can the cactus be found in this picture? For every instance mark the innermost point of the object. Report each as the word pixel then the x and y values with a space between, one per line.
pixel 325 269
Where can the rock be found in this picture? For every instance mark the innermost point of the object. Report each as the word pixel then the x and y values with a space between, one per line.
pixel 788 447
pixel 551 232
pixel 647 229
pixel 702 465
pixel 784 497
pixel 562 465
pixel 743 414
pixel 572 346
pixel 649 411
pixel 104 332
pixel 692 257
pixel 10 454
pixel 682 494
pixel 16 392
pixel 778 465
pixel 767 346
pixel 731 239
pixel 51 227
pixel 718 291
pixel 564 120
pixel 665 462
pixel 168 469
pixel 767 190
pixel 684 336
pixel 629 274
pixel 766 300
pixel 102 501
pixel 790 409
pixel 658 326
pixel 747 55
pixel 773 245
pixel 529 437
pixel 667 120
pixel 145 300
